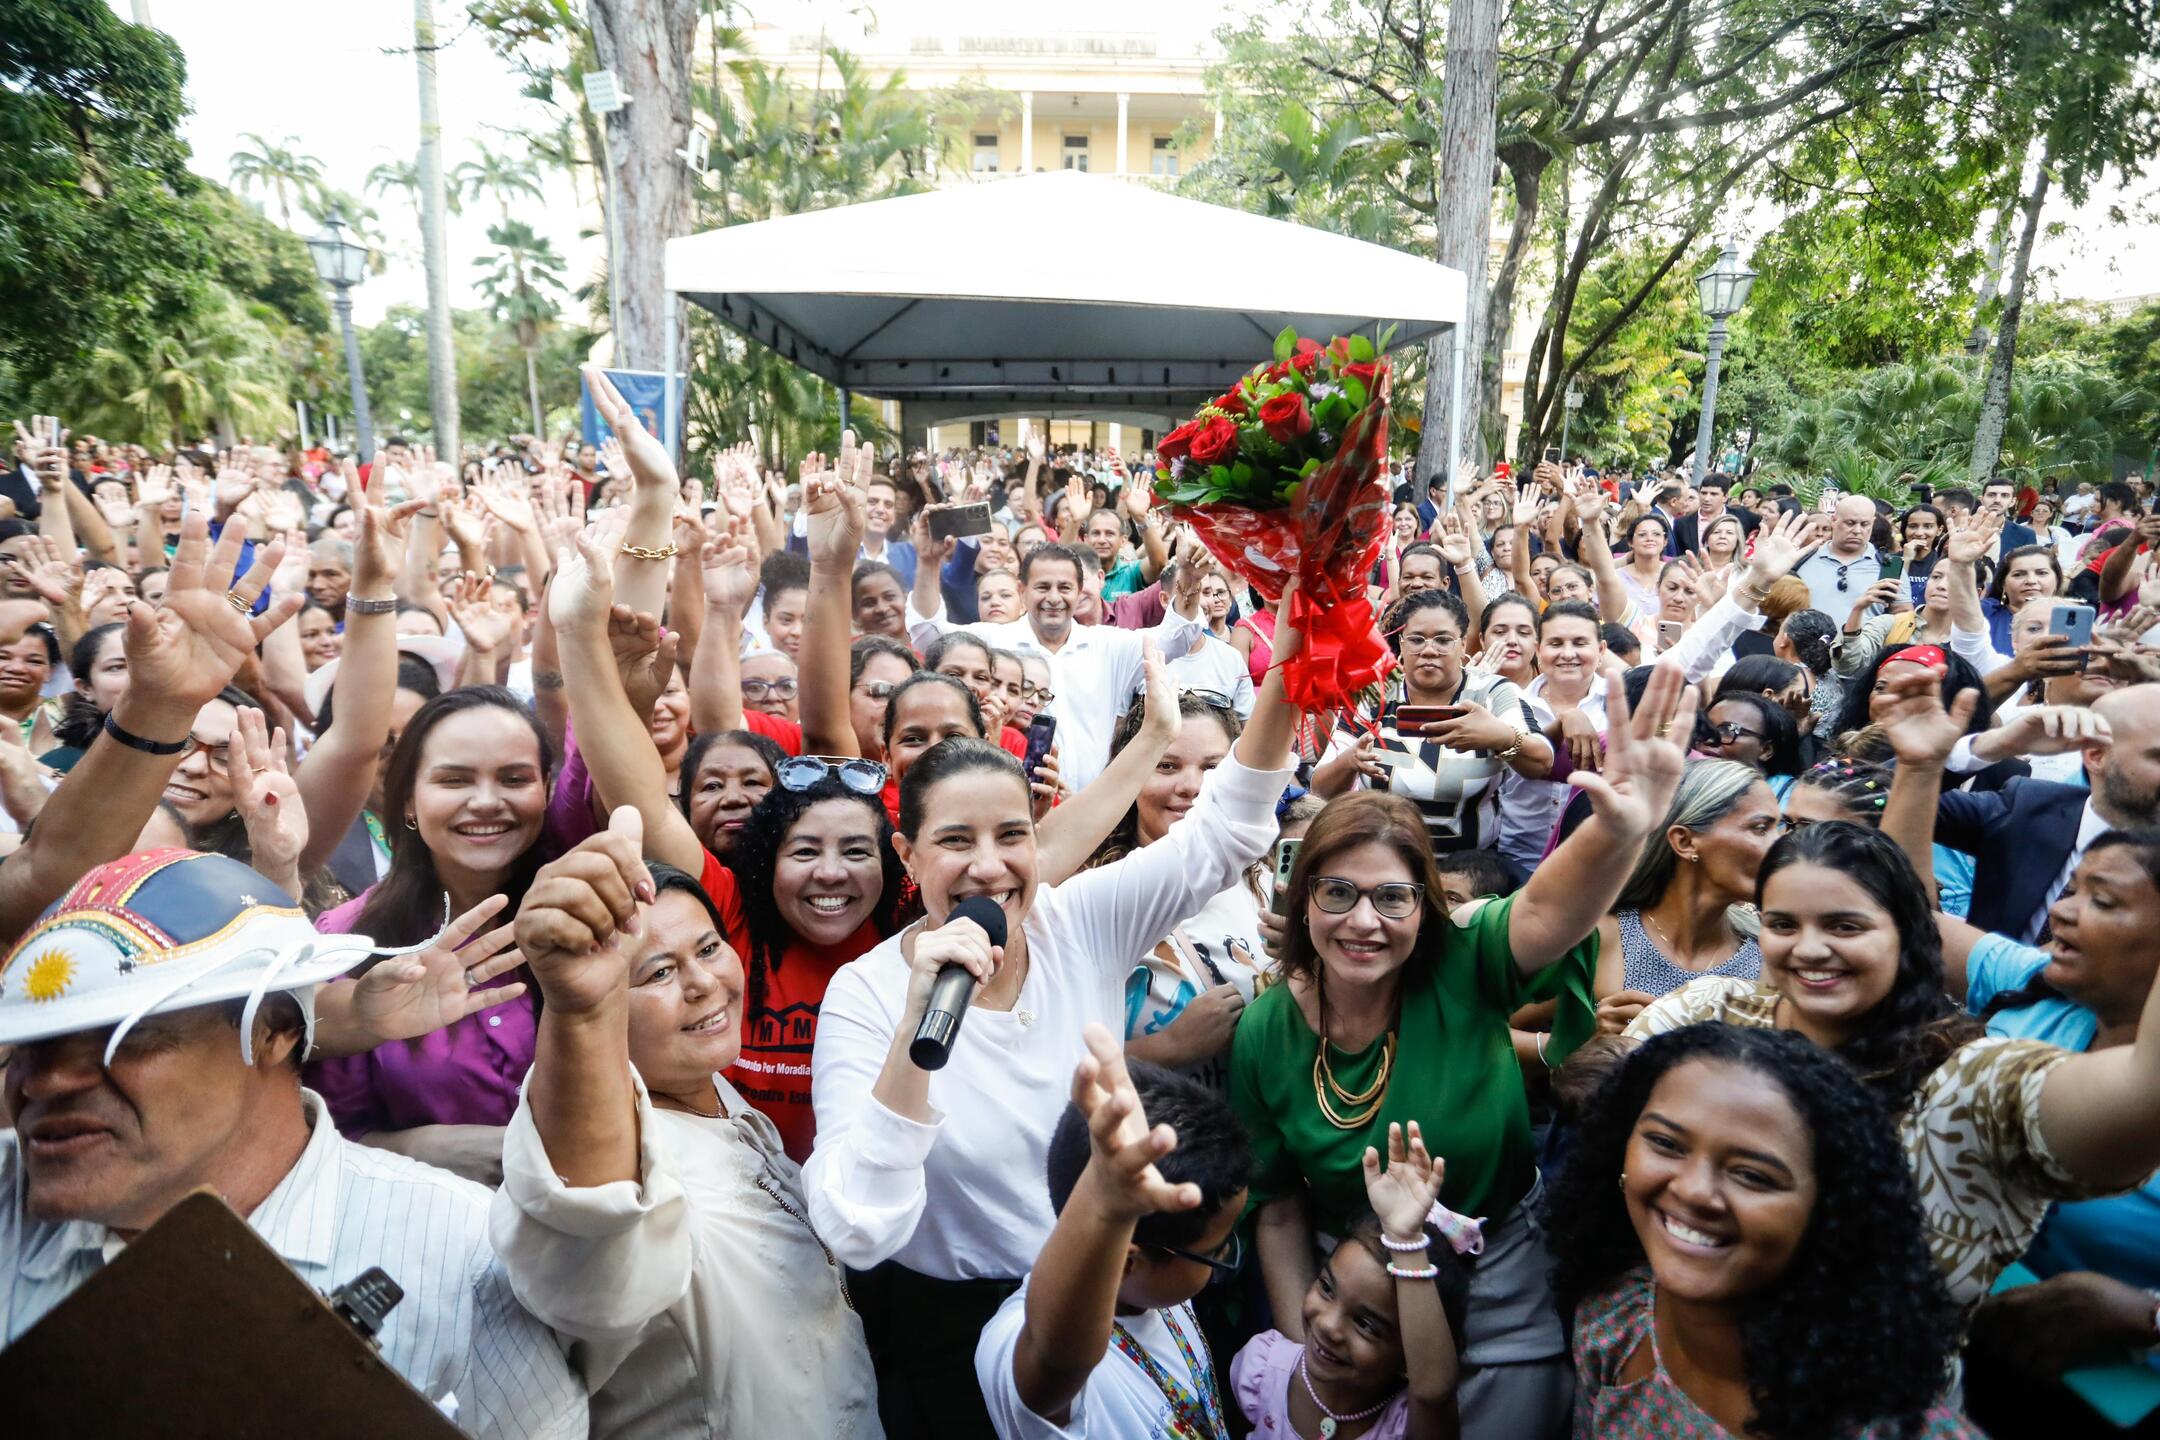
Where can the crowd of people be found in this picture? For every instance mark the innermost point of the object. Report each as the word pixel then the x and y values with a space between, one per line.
pixel 1700 992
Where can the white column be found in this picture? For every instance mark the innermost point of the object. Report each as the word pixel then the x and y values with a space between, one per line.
pixel 1218 122
pixel 1027 132
pixel 1117 437
pixel 1124 103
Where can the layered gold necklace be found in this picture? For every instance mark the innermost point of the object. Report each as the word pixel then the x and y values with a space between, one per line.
pixel 1324 1085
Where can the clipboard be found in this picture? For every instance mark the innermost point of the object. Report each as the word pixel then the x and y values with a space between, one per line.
pixel 199 1328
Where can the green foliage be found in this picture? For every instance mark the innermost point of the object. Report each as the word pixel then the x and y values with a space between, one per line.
pixel 491 373
pixel 130 287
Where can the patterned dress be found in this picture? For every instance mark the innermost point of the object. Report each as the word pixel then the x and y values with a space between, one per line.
pixel 1612 1325
pixel 1971 1133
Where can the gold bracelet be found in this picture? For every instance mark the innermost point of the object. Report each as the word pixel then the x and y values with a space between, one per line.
pixel 650 552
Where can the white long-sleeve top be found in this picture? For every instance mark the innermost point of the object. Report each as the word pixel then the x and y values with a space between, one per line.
pixel 1710 638
pixel 696 1299
pixel 1095 675
pixel 964 1197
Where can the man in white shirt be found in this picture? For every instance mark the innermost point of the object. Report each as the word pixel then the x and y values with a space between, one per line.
pixel 1840 572
pixel 1095 669
pixel 156 1017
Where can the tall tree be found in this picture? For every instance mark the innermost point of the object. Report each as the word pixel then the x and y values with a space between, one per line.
pixel 1463 225
pixel 497 175
pixel 281 167
pixel 435 238
pixel 648 45
pixel 520 282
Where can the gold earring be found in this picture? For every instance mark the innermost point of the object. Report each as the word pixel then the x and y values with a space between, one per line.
pixel 411 823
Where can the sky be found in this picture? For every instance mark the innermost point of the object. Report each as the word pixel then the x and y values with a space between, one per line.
pixel 340 78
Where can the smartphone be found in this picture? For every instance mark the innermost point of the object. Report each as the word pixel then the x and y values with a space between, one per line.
pixel 952 522
pixel 1893 567
pixel 1409 718
pixel 1041 731
pixel 1552 454
pixel 2072 621
pixel 1669 633
pixel 1285 862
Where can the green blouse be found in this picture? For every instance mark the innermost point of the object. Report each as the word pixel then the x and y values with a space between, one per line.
pixel 1455 1074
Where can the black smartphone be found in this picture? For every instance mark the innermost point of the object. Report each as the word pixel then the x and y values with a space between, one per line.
pixel 1552 454
pixel 954 522
pixel 1041 731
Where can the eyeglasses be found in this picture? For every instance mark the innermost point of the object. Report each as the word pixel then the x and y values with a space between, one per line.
pixel 1731 732
pixel 1040 694
pixel 218 753
pixel 1397 900
pixel 878 689
pixel 1225 1261
pixel 759 689
pixel 1420 643
pixel 801 772
pixel 1213 699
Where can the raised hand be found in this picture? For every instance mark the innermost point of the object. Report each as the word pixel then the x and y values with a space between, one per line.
pixel 267 800
pixel 1971 537
pixel 731 577
pixel 408 996
pixel 648 460
pixel 1454 541
pixel 1779 546
pixel 181 653
pixel 1910 712
pixel 576 912
pixel 1121 1171
pixel 735 479
pixel 471 599
pixel 1403 1194
pixel 506 496
pixel 1643 760
pixel 644 656
pixel 834 501
pixel 379 541
pixel 465 519
pixel 583 590
pixel 56 576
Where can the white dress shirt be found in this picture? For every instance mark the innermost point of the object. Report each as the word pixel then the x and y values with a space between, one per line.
pixel 697 1299
pixel 963 1197
pixel 2090 828
pixel 342 1208
pixel 1095 675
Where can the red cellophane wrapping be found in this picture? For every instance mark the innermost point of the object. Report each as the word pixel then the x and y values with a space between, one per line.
pixel 1329 539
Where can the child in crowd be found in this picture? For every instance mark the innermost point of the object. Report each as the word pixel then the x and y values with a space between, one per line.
pixel 1467 875
pixel 1147 1173
pixel 1379 1358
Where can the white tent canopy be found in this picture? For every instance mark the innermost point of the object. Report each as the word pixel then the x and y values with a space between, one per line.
pixel 1056 289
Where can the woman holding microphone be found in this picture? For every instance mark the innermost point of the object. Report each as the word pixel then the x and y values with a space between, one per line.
pixel 932 1183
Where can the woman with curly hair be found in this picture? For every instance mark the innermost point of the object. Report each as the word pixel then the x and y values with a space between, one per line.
pixel 1996 1128
pixel 1741 1245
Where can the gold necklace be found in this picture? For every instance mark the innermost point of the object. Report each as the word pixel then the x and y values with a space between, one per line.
pixel 1371 1098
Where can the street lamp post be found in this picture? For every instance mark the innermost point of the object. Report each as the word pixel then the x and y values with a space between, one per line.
pixel 1572 401
pixel 1724 290
pixel 342 264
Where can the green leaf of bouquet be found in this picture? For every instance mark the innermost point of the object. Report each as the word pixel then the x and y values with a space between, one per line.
pixel 1241 473
pixel 1286 343
pixel 1354 389
pixel 1360 350
pixel 1306 470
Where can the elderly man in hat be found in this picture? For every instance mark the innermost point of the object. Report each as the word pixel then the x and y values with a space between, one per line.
pixel 155 1019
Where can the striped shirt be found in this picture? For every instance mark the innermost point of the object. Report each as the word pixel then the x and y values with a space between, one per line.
pixel 341 1209
pixel 1457 791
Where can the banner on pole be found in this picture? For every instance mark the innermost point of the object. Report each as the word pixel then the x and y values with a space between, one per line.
pixel 646 392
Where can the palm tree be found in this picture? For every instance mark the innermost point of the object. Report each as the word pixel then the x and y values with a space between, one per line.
pixel 497 174
pixel 516 282
pixel 281 167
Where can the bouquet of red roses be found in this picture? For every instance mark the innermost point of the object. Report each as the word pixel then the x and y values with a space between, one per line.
pixel 1283 477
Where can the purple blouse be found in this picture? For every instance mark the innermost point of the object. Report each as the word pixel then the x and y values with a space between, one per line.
pixel 467 1074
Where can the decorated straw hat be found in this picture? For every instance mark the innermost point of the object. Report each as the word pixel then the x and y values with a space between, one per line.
pixel 161 931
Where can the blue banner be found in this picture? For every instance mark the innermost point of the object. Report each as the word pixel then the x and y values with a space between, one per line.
pixel 646 392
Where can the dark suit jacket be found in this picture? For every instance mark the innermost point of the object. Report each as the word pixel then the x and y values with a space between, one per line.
pixel 2014 535
pixel 2019 838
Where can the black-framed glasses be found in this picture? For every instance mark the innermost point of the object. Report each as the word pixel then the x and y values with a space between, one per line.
pixel 1395 900
pixel 781 689
pixel 1039 694
pixel 1226 1260
pixel 801 772
pixel 1731 732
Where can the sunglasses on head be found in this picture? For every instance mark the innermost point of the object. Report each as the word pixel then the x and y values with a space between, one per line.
pixel 802 772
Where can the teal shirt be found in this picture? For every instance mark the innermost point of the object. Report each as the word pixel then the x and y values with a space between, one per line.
pixel 1455 1074
pixel 1123 581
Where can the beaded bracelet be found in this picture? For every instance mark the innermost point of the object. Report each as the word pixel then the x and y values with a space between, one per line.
pixel 1425 1274
pixel 1407 1247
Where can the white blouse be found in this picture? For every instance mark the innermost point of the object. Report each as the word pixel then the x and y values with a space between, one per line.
pixel 964 1196
pixel 696 1299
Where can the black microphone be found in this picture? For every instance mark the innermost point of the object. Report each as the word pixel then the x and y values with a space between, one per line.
pixel 953 988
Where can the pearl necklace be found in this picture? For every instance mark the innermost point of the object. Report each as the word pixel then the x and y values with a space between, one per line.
pixel 1329 1420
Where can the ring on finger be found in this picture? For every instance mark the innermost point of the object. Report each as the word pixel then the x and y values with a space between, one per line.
pixel 239 602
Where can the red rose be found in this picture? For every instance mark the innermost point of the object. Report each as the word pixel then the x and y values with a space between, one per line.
pixel 1339 347
pixel 1216 441
pixel 1178 443
pixel 1368 371
pixel 1279 369
pixel 1231 404
pixel 1307 356
pixel 1286 418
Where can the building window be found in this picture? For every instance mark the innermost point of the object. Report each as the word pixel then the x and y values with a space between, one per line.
pixel 1076 153
pixel 1164 159
pixel 985 156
